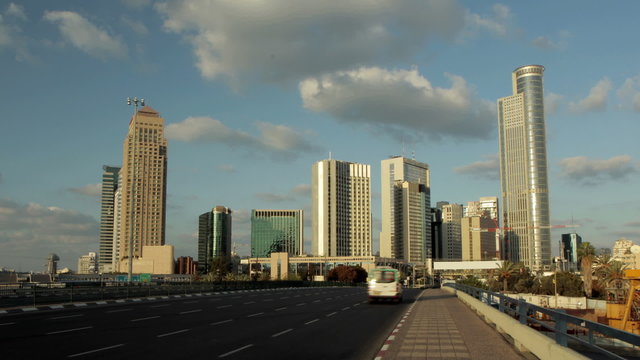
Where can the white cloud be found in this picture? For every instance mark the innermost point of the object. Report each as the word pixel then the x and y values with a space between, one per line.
pixel 137 26
pixel 552 102
pixel 86 36
pixel 279 140
pixel 401 103
pixel 596 100
pixel 544 42
pixel 16 11
pixel 486 169
pixel 587 171
pixel 94 190
pixel 284 41
pixel 227 168
pixel 34 230
pixel 629 93
pixel 498 22
pixel 302 190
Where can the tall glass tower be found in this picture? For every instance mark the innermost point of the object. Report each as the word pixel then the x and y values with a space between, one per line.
pixel 523 170
pixel 107 211
pixel 214 236
pixel 276 231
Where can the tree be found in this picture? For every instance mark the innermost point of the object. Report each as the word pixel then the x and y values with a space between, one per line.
pixel 610 271
pixel 220 266
pixel 586 257
pixel 353 274
pixel 505 272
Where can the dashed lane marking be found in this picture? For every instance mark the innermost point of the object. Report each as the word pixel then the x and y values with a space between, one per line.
pixel 281 333
pixel 221 322
pixel 235 351
pixel 311 322
pixel 189 311
pixel 64 317
pixel 256 314
pixel 96 350
pixel 173 333
pixel 119 310
pixel 145 318
pixel 69 330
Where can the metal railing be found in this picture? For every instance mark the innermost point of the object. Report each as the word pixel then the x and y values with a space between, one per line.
pixel 579 334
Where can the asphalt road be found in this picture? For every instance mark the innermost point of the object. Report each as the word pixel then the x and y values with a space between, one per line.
pixel 309 323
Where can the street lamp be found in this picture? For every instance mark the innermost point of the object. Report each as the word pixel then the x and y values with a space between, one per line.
pixel 135 102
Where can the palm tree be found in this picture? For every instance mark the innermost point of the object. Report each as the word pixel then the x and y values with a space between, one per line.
pixel 586 256
pixel 504 273
pixel 613 270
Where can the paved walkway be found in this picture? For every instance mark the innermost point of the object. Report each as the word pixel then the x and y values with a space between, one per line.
pixel 439 326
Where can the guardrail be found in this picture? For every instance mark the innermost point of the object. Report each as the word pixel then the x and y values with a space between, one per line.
pixel 40 295
pixel 569 331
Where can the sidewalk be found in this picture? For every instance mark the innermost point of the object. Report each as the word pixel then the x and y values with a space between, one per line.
pixel 439 326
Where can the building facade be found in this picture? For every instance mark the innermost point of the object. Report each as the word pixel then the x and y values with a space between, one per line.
pixel 214 236
pixel 570 245
pixel 406 210
pixel 144 184
pixel 487 207
pixel 477 243
pixel 107 212
pixel 276 231
pixel 185 265
pixel 341 208
pixel 88 264
pixel 523 170
pixel 452 231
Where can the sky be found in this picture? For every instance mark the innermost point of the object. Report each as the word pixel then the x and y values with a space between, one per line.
pixel 254 92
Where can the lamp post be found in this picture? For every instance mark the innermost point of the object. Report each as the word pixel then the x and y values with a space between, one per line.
pixel 135 102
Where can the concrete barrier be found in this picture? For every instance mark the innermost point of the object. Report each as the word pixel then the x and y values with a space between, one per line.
pixel 525 339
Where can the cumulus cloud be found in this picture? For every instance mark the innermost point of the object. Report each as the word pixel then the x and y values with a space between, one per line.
pixel 16 11
pixel 35 230
pixel 88 190
pixel 591 172
pixel 284 41
pixel 596 100
pixel 86 36
pixel 137 26
pixel 552 102
pixel 401 103
pixel 629 93
pixel 498 22
pixel 486 169
pixel 546 43
pixel 279 140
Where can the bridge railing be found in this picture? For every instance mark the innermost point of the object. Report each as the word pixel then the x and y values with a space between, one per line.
pixel 569 331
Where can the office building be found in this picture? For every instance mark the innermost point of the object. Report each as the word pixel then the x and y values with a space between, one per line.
pixel 341 208
pixel 107 209
pixel 276 231
pixel 487 207
pixel 88 264
pixel 570 245
pixel 144 184
pixel 523 170
pixel 477 243
pixel 185 265
pixel 406 210
pixel 452 231
pixel 214 236
pixel 436 232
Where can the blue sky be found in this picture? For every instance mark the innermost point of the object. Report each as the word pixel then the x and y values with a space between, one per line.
pixel 254 92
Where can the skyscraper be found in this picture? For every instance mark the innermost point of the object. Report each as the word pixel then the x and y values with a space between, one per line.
pixel 107 210
pixel 276 231
pixel 341 208
pixel 144 184
pixel 214 236
pixel 523 170
pixel 406 210
pixel 570 245
pixel 451 231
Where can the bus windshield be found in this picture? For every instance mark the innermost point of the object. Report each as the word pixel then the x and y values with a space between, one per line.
pixel 384 276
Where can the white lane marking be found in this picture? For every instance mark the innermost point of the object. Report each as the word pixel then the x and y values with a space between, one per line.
pixel 79 304
pixel 101 302
pixel 190 311
pixel 385 347
pixel 356 304
pixel 333 313
pixel 223 306
pixel 221 322
pixel 64 317
pixel 311 322
pixel 301 304
pixel 56 307
pixel 96 350
pixel 173 333
pixel 29 309
pixel 281 333
pixel 315 301
pixel 120 301
pixel 346 308
pixel 250 302
pixel 163 305
pixel 119 310
pixel 145 318
pixel 69 330
pixel 7 324
pixel 282 308
pixel 235 351
pixel 256 314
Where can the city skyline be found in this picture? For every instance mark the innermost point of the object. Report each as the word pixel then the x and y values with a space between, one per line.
pixel 245 118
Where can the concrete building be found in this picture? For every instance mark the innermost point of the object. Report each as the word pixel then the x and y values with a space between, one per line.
pixel 406 210
pixel 627 252
pixel 487 207
pixel 185 265
pixel 214 236
pixel 523 170
pixel 477 244
pixel 88 264
pixel 341 208
pixel 276 231
pixel 452 231
pixel 436 232
pixel 155 259
pixel 107 210
pixel 117 223
pixel 570 244
pixel 144 184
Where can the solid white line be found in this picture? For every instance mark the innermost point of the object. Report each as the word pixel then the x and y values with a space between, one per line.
pixel 64 317
pixel 281 333
pixel 173 333
pixel 120 310
pixel 96 350
pixel 235 351
pixel 221 322
pixel 333 313
pixel 64 331
pixel 282 308
pixel 256 314
pixel 223 306
pixel 163 305
pixel 145 318
pixel 7 324
pixel 311 322
pixel 190 311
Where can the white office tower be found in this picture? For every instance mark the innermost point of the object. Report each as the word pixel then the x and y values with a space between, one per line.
pixel 341 208
pixel 452 232
pixel 406 210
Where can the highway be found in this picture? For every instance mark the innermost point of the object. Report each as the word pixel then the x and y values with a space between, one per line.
pixel 312 323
